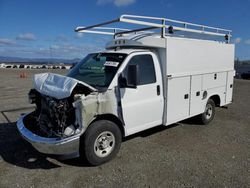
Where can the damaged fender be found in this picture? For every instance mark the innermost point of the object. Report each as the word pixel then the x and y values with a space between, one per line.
pixel 89 107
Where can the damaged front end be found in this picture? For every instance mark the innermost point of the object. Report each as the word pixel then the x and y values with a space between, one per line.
pixel 65 107
pixel 54 117
pixel 56 124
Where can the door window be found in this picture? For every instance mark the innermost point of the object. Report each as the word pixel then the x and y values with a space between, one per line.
pixel 146 70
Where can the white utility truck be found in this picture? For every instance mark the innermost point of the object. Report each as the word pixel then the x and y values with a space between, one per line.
pixel 159 74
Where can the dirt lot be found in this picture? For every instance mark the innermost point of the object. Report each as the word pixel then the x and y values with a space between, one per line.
pixel 183 155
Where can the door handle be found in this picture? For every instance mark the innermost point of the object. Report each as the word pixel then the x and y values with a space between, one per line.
pixel 186 96
pixel 158 89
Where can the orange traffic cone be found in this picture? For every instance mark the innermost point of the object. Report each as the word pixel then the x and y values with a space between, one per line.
pixel 23 75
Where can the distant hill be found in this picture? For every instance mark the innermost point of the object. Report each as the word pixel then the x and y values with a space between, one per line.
pixel 5 59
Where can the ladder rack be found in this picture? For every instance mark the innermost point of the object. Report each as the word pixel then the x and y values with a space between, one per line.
pixel 167 26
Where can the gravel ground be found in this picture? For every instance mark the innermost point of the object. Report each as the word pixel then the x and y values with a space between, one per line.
pixel 182 155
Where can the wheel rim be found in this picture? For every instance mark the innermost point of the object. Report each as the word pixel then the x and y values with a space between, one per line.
pixel 209 111
pixel 104 144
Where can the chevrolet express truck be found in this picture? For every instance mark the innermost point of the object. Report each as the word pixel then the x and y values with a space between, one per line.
pixel 156 75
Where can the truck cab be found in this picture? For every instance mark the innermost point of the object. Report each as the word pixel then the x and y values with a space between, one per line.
pixel 140 81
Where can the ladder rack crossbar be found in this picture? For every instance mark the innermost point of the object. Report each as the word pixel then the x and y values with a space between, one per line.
pixel 137 30
pixel 197 25
pixel 101 30
pixel 96 25
pixel 105 28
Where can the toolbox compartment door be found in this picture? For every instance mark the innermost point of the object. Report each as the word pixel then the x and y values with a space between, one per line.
pixel 178 98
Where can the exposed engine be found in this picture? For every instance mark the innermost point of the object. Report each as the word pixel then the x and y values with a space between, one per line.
pixel 54 117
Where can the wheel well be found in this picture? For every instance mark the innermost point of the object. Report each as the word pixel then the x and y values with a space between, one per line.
pixel 112 118
pixel 216 99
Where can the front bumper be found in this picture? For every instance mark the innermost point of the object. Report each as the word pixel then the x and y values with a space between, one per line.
pixel 57 146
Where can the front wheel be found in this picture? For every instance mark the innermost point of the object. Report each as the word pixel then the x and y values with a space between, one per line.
pixel 101 142
pixel 208 115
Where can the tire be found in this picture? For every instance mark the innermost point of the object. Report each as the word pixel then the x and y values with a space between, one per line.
pixel 101 142
pixel 208 115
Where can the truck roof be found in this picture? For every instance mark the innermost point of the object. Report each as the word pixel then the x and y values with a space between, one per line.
pixel 125 50
pixel 144 41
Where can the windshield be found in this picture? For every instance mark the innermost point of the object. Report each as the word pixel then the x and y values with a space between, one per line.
pixel 98 69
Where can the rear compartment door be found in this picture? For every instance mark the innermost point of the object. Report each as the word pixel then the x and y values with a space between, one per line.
pixel 196 104
pixel 229 90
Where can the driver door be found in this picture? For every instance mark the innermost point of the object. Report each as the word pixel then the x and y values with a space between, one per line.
pixel 142 107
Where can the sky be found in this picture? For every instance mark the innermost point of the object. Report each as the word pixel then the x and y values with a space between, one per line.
pixel 45 28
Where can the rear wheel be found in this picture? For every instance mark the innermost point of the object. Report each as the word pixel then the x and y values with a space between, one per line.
pixel 101 142
pixel 208 115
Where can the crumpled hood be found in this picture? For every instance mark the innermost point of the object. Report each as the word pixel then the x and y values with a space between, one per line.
pixel 56 85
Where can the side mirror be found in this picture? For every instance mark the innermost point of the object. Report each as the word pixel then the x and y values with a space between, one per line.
pixel 132 78
pixel 122 81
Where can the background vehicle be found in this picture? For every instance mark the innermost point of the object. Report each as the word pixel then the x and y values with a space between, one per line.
pixel 143 79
